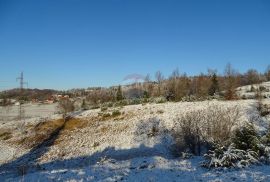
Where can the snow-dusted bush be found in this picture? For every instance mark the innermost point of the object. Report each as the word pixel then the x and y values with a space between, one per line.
pixel 229 157
pixel 188 133
pixel 195 131
pixel 265 147
pixel 246 148
pixel 266 154
pixel 246 138
pixel 263 109
pixel 219 122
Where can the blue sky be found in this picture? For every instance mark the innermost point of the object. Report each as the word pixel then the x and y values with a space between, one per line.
pixel 73 43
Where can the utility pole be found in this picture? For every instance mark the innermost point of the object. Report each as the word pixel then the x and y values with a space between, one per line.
pixel 22 83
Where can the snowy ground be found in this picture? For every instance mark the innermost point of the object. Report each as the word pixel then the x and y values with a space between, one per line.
pixel 246 91
pixel 120 148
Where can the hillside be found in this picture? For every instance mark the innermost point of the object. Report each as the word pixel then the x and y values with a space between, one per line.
pixel 28 94
pixel 133 144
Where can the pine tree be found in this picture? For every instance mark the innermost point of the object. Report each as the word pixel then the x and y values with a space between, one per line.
pixel 119 95
pixel 83 106
pixel 246 138
pixel 214 88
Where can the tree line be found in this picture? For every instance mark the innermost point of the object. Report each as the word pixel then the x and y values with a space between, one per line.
pixel 179 86
pixel 176 87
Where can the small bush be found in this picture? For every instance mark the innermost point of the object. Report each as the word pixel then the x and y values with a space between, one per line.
pixel 116 113
pixel 102 109
pixel 121 103
pixel 154 131
pixel 195 131
pixel 5 135
pixel 188 135
pixel 246 138
pixel 229 157
pixel 106 115
pixel 107 104
pixel 96 144
pixel 246 148
pixel 263 109
pixel 160 111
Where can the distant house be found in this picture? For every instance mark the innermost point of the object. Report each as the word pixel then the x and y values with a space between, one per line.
pixel 17 103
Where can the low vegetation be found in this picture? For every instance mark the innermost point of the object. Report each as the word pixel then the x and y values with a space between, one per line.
pixel 41 132
pixel 216 132
pixel 5 135
pixel 247 147
pixel 195 131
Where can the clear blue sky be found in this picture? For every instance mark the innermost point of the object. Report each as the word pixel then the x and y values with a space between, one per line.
pixel 73 43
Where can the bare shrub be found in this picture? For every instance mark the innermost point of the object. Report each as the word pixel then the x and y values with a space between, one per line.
pixel 197 130
pixel 188 133
pixel 99 96
pixel 219 122
pixel 66 106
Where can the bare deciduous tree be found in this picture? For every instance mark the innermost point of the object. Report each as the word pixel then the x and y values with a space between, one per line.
pixel 252 77
pixel 267 73
pixel 159 78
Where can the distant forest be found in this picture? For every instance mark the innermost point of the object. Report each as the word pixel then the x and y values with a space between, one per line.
pixel 176 87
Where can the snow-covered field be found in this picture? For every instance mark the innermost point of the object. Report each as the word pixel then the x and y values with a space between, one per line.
pixel 119 148
pixel 248 91
pixel 30 110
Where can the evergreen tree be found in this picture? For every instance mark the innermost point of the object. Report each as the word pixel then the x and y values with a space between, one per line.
pixel 231 82
pixel 214 88
pixel 119 95
pixel 246 138
pixel 145 94
pixel 83 106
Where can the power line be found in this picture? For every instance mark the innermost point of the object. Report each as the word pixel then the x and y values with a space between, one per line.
pixel 22 83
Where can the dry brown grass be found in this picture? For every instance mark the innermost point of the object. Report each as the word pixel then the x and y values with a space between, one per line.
pixel 39 133
pixel 160 112
pixel 104 129
pixel 114 115
pixel 75 123
pixel 122 128
pixel 48 125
